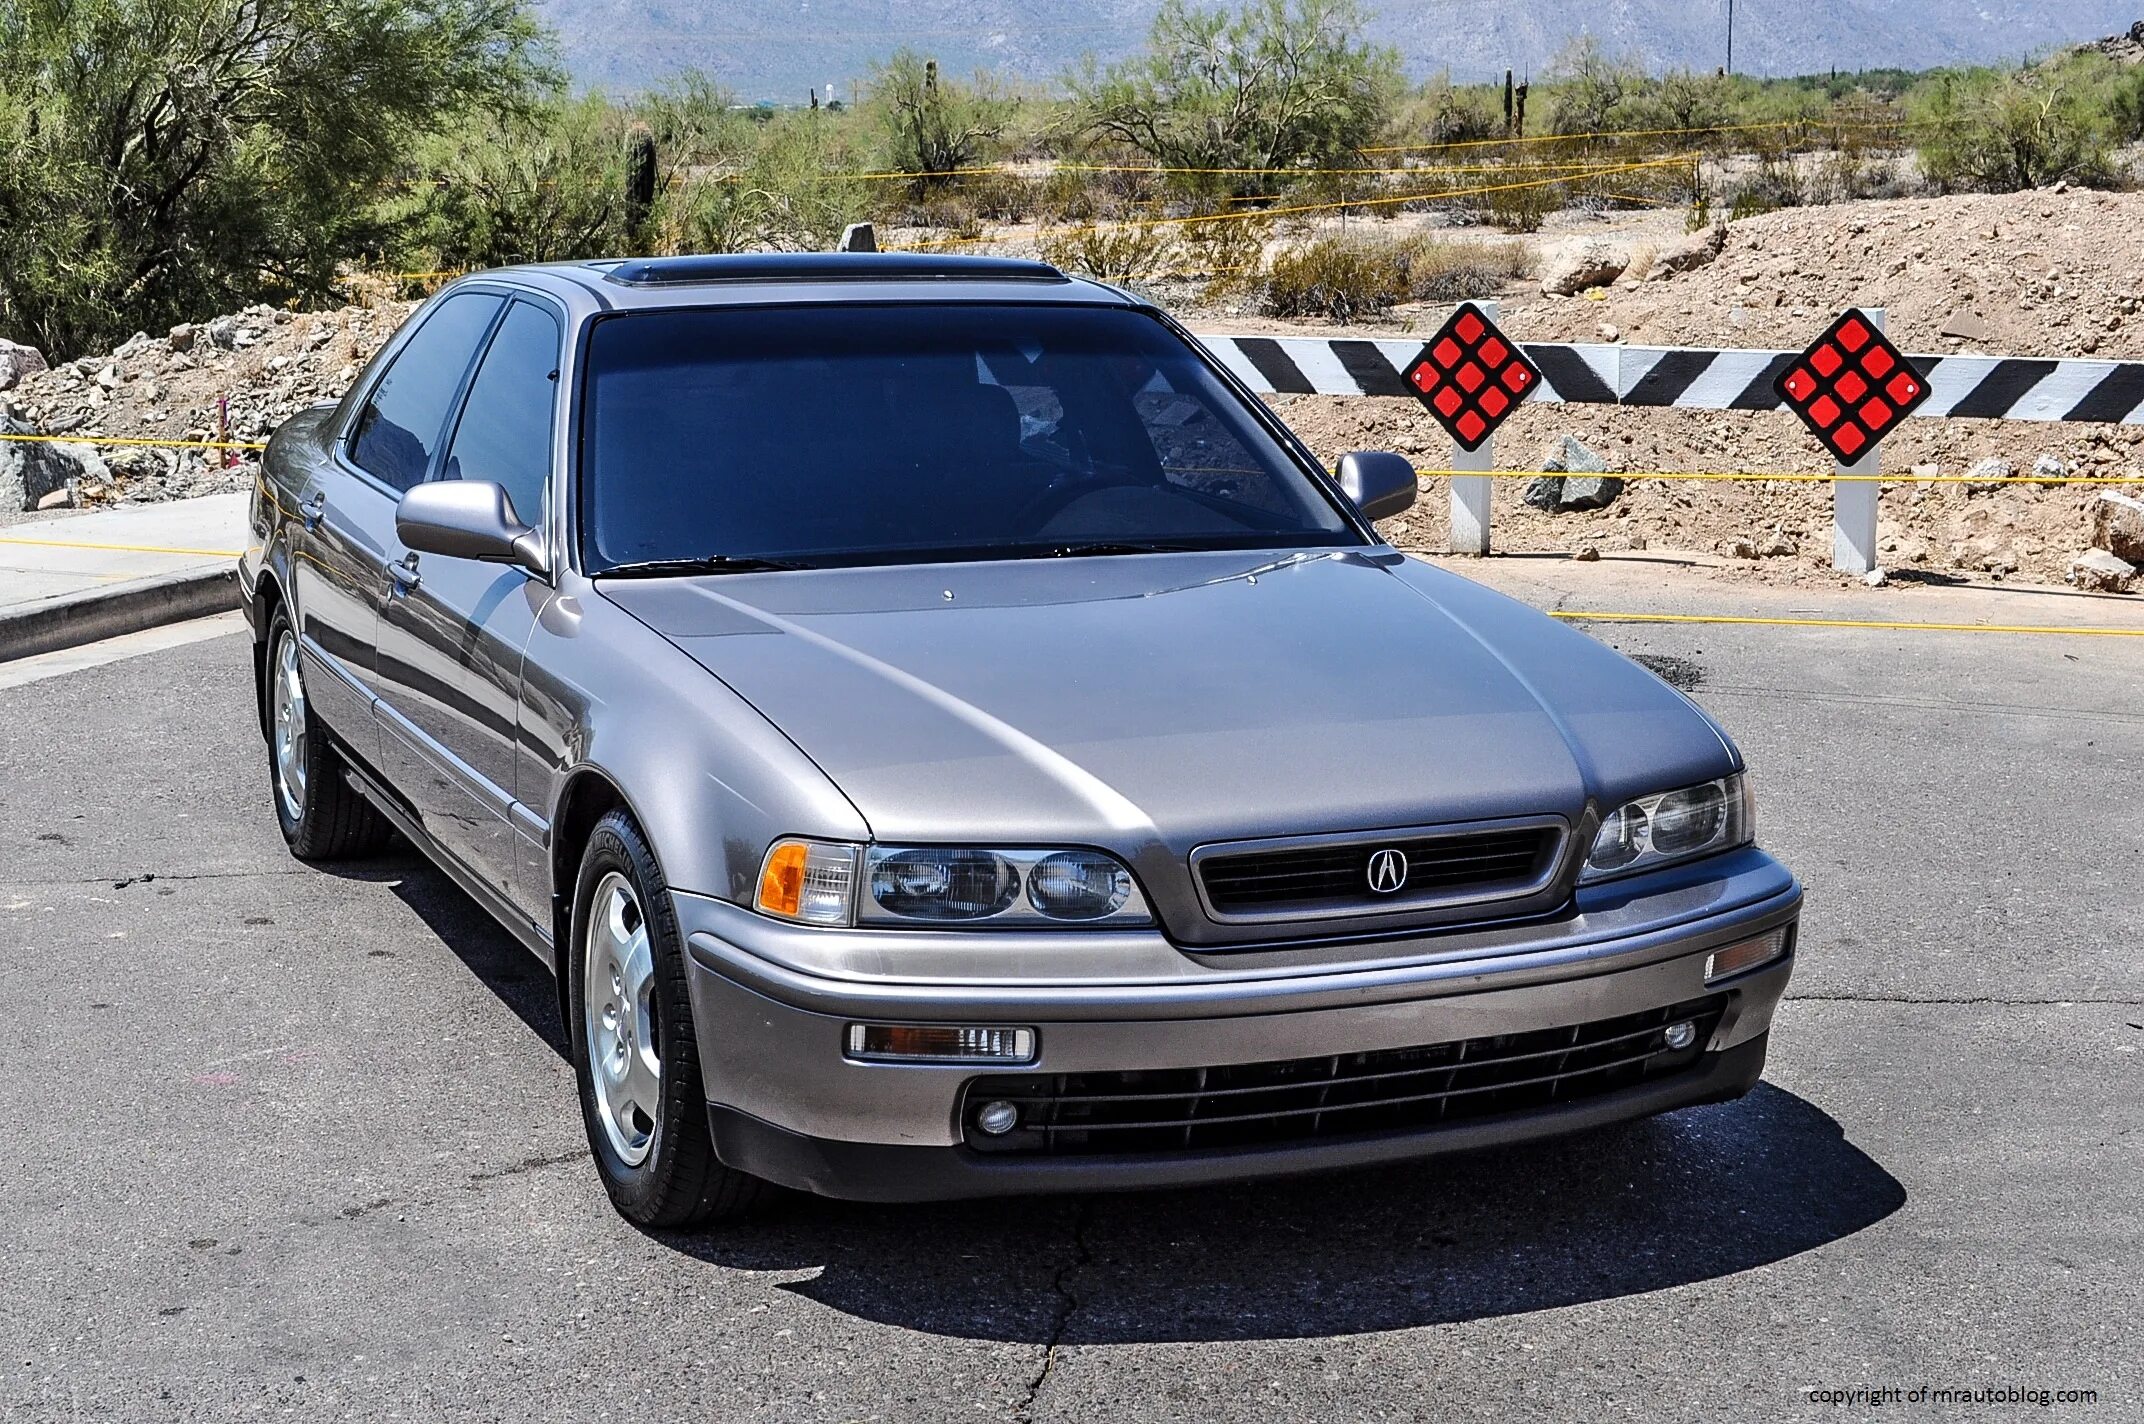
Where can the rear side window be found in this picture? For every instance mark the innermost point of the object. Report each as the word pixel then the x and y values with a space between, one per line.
pixel 504 433
pixel 401 425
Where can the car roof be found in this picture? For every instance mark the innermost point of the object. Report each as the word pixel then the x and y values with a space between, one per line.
pixel 785 278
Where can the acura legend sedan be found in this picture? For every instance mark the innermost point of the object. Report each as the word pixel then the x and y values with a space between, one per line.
pixel 947 737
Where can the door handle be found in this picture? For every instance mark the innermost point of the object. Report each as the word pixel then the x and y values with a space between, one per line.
pixel 314 506
pixel 405 574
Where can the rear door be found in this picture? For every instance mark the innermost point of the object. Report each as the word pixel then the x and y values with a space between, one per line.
pixel 452 630
pixel 348 537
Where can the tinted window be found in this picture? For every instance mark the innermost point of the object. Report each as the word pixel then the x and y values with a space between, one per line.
pixel 504 433
pixel 399 427
pixel 860 434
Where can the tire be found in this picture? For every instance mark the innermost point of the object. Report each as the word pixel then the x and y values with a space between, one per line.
pixel 646 1113
pixel 323 817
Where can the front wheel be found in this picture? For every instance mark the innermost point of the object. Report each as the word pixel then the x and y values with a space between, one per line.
pixel 634 1053
pixel 321 815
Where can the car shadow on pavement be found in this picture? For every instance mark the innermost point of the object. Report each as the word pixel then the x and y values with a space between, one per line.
pixel 1697 1195
pixel 517 977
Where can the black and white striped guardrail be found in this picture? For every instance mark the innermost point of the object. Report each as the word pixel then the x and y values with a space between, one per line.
pixel 1983 387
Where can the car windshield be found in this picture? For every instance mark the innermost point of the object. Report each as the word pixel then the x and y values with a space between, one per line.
pixel 741 438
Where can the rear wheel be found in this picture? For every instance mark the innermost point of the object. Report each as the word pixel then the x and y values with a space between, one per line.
pixel 634 1050
pixel 322 816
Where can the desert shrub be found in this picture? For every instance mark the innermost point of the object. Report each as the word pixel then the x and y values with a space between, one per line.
pixel 546 185
pixel 933 126
pixel 1991 132
pixel 1457 270
pixel 1280 83
pixel 1341 279
pixel 790 193
pixel 1112 252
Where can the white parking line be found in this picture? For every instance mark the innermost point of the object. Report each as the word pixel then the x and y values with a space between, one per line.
pixel 59 662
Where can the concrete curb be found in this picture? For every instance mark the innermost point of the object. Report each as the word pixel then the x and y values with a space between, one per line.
pixel 96 614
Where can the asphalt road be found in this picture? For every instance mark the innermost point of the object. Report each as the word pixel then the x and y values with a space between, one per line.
pixel 292 1142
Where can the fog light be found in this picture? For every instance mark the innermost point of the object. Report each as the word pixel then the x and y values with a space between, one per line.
pixel 998 1118
pixel 1680 1035
pixel 939 1043
pixel 1747 955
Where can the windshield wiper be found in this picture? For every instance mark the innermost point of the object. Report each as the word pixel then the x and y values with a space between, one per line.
pixel 1101 547
pixel 709 564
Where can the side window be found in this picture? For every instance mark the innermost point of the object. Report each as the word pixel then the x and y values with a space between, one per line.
pixel 505 429
pixel 401 425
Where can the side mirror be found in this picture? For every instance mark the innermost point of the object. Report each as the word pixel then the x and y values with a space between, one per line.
pixel 1381 483
pixel 468 519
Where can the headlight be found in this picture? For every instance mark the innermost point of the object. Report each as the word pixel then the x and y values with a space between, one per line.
pixel 1653 831
pixel 818 883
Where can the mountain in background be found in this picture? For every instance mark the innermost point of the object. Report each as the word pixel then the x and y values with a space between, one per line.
pixel 779 49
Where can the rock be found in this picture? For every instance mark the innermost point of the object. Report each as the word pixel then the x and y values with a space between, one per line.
pixel 223 333
pixel 1738 548
pixel 1543 493
pixel 1588 492
pixel 2048 467
pixel 1609 331
pixel 1965 326
pixel 1586 554
pixel 1989 473
pixel 1689 253
pixel 1580 265
pixel 1875 578
pixel 18 361
pixel 31 471
pixel 2118 526
pixel 181 338
pixel 2097 571
pixel 1779 545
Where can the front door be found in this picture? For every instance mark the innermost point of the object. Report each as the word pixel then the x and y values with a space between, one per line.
pixel 452 630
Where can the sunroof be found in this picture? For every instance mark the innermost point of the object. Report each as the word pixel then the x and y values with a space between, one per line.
pixel 826 267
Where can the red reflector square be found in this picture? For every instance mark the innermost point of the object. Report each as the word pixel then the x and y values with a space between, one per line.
pixel 1471 376
pixel 1851 387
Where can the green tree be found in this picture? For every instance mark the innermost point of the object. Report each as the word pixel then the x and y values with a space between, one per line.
pixel 1280 83
pixel 546 184
pixel 934 127
pixel 2000 132
pixel 1592 88
pixel 161 159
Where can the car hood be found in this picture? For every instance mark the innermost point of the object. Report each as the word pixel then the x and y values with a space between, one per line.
pixel 1174 700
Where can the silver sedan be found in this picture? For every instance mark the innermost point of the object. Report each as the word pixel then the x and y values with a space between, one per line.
pixel 947 737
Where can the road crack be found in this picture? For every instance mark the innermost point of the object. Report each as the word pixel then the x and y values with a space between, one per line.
pixel 1068 1305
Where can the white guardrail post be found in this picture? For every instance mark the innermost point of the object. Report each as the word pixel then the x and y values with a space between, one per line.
pixel 1853 502
pixel 1470 492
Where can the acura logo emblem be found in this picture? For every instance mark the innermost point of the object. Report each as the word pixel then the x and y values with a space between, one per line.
pixel 1388 871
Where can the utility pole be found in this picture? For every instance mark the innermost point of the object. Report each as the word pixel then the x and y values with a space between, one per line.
pixel 1730 36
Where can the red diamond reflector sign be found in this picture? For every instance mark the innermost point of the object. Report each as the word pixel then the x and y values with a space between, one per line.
pixel 1851 387
pixel 1471 376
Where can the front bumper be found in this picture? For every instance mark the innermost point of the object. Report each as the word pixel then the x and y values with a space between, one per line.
pixel 786 1104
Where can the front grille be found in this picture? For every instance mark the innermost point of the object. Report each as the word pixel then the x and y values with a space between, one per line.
pixel 1329 877
pixel 1345 1095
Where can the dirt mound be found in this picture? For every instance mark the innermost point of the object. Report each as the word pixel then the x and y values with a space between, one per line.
pixel 234 378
